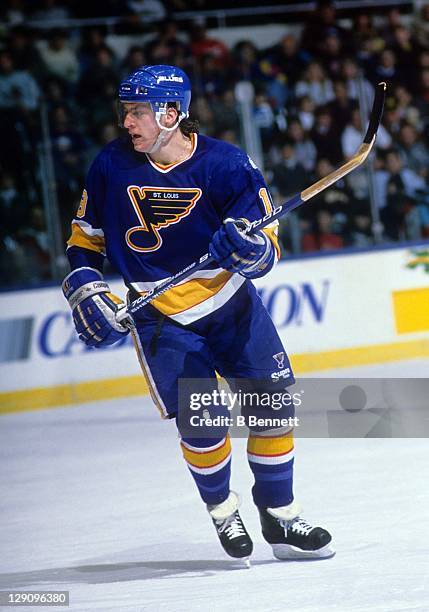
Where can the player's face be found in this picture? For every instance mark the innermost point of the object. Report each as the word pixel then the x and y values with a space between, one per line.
pixel 139 120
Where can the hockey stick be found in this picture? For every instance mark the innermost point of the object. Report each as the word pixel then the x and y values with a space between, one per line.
pixel 279 211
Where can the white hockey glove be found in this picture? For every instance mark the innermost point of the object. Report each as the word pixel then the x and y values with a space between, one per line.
pixel 93 307
pixel 236 251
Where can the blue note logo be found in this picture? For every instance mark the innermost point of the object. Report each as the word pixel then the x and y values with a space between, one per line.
pixel 157 208
pixel 279 358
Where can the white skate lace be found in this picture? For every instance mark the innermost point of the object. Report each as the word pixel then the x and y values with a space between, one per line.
pixel 298 525
pixel 232 526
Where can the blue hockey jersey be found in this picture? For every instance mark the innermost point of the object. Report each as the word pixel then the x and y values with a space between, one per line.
pixel 152 220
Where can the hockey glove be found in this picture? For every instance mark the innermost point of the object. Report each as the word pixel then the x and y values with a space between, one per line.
pixel 93 307
pixel 236 251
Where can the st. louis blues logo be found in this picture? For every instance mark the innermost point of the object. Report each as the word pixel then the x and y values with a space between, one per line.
pixel 156 208
pixel 279 359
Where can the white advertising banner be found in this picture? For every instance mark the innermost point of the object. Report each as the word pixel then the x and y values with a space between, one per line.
pixel 318 304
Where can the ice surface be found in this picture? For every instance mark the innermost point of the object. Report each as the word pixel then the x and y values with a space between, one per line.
pixel 95 499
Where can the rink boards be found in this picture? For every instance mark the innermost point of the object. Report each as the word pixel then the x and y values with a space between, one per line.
pixel 331 311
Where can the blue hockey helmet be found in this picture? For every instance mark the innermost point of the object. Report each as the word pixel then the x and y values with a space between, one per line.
pixel 158 85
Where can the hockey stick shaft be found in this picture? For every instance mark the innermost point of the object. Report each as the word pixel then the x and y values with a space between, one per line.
pixel 279 211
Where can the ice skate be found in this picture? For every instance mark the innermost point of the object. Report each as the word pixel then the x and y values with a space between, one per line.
pixel 230 528
pixel 292 537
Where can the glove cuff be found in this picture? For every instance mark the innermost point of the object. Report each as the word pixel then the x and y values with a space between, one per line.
pixel 82 283
pixel 262 263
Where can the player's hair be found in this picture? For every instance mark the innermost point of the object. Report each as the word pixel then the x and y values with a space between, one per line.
pixel 187 126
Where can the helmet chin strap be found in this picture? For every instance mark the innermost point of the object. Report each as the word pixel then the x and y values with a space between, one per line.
pixel 164 130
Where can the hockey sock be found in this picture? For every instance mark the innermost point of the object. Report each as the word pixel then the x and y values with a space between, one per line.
pixel 271 461
pixel 209 461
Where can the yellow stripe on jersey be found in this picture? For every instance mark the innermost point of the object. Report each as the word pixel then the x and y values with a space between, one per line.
pixel 80 238
pixel 272 232
pixel 207 458
pixel 270 447
pixel 194 292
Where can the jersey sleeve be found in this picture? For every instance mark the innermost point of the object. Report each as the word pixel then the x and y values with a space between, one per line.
pixel 86 245
pixel 239 191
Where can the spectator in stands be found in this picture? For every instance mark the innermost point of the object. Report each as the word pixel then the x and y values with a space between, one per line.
pixel 355 81
pixel 92 40
pixel 341 105
pixel 325 136
pixel 414 153
pixel 315 84
pixel 168 38
pixel 58 57
pixel 97 82
pixel 396 192
pixel 406 52
pixel 203 112
pixel 104 134
pixel 337 200
pixel 35 244
pixel 305 151
pixel 18 89
pixel 361 235
pixel 19 96
pixel 406 106
pixel 289 176
pixel 394 19
pixel 321 236
pixel 391 117
pixel 332 55
pixel 306 110
pixel 264 119
pixel 422 99
pixel 20 43
pixel 228 136
pixel 285 61
pixel 69 148
pixel 55 94
pixel 352 135
pixel 225 114
pixel 363 30
pixel 245 64
pixel 386 68
pixel 13 208
pixel 13 265
pixel 134 58
pixel 423 59
pixel 321 24
pixel 365 54
pixel 421 26
pixel 211 81
pixel 13 12
pixel 203 45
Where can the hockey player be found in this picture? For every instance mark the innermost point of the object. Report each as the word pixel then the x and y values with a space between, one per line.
pixel 154 201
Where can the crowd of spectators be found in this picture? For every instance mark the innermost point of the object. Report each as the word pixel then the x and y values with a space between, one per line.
pixel 308 90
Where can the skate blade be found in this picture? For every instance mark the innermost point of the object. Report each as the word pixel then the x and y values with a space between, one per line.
pixel 284 552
